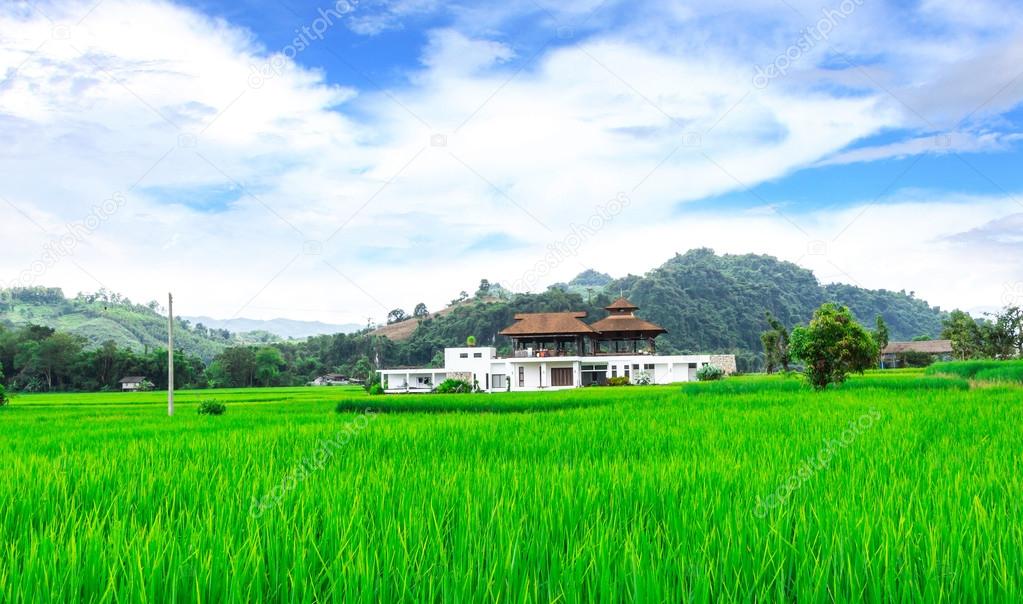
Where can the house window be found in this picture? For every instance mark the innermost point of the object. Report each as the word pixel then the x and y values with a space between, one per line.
pixel 561 376
pixel 463 355
pixel 499 383
pixel 692 365
pixel 522 377
pixel 635 367
pixel 614 371
pixel 648 367
pixel 627 374
pixel 477 355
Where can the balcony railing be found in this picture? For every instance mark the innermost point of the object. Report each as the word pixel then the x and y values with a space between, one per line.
pixel 527 354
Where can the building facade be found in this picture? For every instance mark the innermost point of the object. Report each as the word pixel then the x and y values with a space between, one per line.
pixel 554 351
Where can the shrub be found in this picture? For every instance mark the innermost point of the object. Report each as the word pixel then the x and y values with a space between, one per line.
pixel 375 389
pixel 710 373
pixel 146 386
pixel 451 386
pixel 211 407
pixel 643 378
pixel 618 381
pixel 832 346
pixel 3 397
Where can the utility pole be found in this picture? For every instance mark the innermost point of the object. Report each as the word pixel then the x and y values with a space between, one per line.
pixel 170 354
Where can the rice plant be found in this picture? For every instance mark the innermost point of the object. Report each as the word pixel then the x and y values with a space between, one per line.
pixel 708 492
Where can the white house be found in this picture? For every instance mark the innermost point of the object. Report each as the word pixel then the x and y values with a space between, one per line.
pixel 132 383
pixel 331 379
pixel 555 351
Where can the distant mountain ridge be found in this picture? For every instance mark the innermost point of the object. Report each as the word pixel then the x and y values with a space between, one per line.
pixel 284 328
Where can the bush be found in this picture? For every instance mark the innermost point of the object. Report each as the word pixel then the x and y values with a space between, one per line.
pixel 618 381
pixel 451 386
pixel 710 373
pixel 146 386
pixel 211 407
pixel 3 397
pixel 643 378
pixel 375 389
pixel 832 346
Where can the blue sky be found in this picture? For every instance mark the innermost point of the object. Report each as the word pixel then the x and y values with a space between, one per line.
pixel 380 153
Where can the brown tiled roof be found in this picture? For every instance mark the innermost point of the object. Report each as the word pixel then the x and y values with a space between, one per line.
pixel 621 304
pixel 925 346
pixel 547 324
pixel 620 323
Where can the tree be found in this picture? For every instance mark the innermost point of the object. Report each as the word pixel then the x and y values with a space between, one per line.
pixel 1010 321
pixel 362 369
pixel 964 333
pixel 770 341
pixel 996 341
pixel 881 334
pixel 396 316
pixel 420 312
pixel 470 341
pixel 216 376
pixel 56 353
pixel 776 344
pixel 268 364
pixel 483 289
pixel 833 346
pixel 239 363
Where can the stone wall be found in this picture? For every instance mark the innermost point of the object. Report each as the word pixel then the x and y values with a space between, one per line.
pixel 724 361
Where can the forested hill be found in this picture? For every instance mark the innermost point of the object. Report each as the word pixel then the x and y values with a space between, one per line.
pixel 717 303
pixel 106 316
pixel 708 303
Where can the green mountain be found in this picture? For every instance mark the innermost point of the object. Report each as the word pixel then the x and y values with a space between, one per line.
pixel 708 303
pixel 717 303
pixel 586 282
pixel 105 317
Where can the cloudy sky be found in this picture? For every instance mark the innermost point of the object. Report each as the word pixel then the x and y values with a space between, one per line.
pixel 332 160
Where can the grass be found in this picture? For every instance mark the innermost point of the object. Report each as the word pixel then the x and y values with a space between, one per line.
pixel 638 493
pixel 981 371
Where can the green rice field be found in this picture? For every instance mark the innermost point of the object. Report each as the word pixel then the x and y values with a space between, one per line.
pixel 896 487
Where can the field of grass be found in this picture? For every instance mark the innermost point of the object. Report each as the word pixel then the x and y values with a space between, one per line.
pixel 982 371
pixel 896 487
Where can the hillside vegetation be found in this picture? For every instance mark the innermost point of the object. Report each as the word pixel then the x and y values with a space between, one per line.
pixel 105 316
pixel 707 302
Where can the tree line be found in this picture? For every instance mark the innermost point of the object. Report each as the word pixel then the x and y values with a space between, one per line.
pixel 35 358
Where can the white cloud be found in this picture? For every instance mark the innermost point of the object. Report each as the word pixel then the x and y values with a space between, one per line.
pixel 160 97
